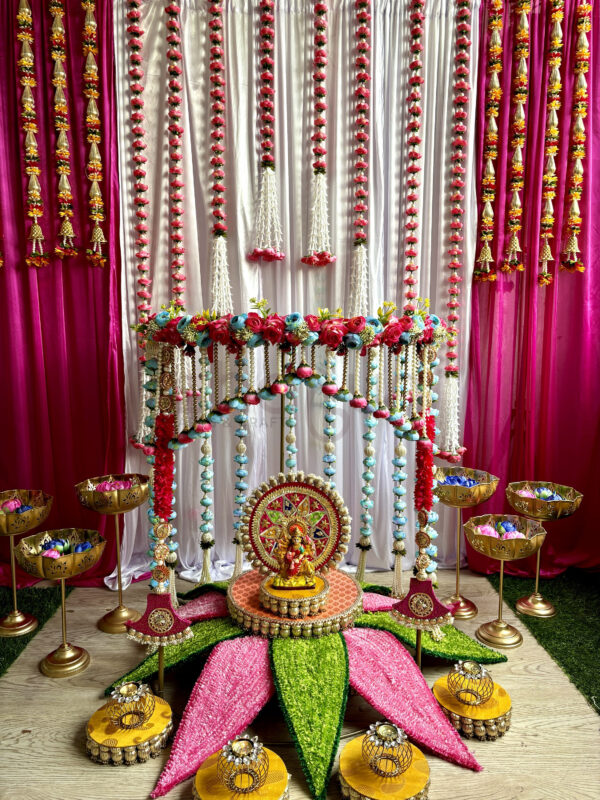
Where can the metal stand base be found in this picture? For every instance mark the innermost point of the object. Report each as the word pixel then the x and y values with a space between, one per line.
pixel 114 621
pixel 535 606
pixel 466 609
pixel 17 624
pixel 499 634
pixel 65 662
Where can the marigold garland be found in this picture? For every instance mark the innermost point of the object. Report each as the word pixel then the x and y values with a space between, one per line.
pixel 571 262
pixel 319 246
pixel 551 139
pixel 513 261
pixel 91 89
pixel 490 151
pixel 415 111
pixel 35 203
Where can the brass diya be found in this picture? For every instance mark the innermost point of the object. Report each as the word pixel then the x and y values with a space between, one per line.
pixel 67 660
pixel 534 605
pixel 460 497
pixel 499 633
pixel 386 750
pixel 243 765
pixel 115 502
pixel 131 705
pixel 18 623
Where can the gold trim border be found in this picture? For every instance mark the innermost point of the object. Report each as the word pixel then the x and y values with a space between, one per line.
pixel 137 753
pixel 348 791
pixel 482 729
pixel 284 796
pixel 295 607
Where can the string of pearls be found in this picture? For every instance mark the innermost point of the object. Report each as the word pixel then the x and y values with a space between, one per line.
pixel 329 409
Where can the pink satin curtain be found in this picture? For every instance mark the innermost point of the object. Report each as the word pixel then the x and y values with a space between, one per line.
pixel 533 402
pixel 61 401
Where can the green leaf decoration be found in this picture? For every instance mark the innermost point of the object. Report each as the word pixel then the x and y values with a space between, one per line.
pixel 454 646
pixel 376 588
pixel 315 518
pixel 274 516
pixel 311 679
pixel 217 586
pixel 207 634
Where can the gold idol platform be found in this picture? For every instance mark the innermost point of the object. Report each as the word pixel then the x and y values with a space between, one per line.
pixel 207 785
pixel 359 782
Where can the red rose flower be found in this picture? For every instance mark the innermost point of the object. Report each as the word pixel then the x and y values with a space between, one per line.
pixel 356 324
pixel 332 333
pixel 219 330
pixel 254 322
pixel 273 329
pixel 313 322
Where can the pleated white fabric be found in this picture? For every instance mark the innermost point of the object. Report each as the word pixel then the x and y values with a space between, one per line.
pixel 291 285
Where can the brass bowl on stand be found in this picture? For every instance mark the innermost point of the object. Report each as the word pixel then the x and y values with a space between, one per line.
pixel 67 660
pixel 115 502
pixel 18 623
pixel 499 633
pixel 534 605
pixel 459 497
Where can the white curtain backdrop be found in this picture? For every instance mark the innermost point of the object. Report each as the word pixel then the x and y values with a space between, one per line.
pixel 291 285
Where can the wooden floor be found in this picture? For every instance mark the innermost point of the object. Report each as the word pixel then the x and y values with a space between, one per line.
pixel 552 751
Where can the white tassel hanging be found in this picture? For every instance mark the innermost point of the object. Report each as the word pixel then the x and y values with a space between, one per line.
pixel 268 236
pixel 451 440
pixel 359 285
pixel 220 284
pixel 319 243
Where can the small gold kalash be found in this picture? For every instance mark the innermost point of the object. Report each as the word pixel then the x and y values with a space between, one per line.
pixel 243 765
pixel 131 705
pixel 386 750
pixel 470 683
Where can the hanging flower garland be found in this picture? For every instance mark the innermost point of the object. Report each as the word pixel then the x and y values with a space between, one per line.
pixel 62 153
pixel 452 451
pixel 551 139
pixel 416 80
pixel 359 300
pixel 91 89
pixel 513 262
pixel 486 272
pixel 222 301
pixel 319 245
pixel 35 203
pixel 174 98
pixel 571 262
pixel 268 236
pixel 141 201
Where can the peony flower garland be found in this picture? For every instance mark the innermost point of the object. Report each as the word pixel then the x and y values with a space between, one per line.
pixel 513 262
pixel 35 203
pixel 268 236
pixel 319 246
pixel 359 287
pixel 551 138
pixel 221 300
pixel 141 201
pixel 416 80
pixel 58 43
pixel 174 98
pixel 570 261
pixel 91 89
pixel 490 149
pixel 452 451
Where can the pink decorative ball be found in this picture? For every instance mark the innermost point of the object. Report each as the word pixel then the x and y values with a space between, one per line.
pixel 358 402
pixel 329 389
pixel 525 493
pixel 487 530
pixel 381 413
pixel 203 427
pixel 514 535
pixel 304 371
pixel 224 408
pixel 279 388
pixel 251 398
pixel 51 553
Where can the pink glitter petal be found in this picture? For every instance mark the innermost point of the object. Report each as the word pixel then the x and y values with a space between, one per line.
pixel 207 606
pixel 384 673
pixel 232 688
pixel 377 602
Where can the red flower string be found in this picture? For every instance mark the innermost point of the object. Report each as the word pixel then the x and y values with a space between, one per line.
pixel 164 462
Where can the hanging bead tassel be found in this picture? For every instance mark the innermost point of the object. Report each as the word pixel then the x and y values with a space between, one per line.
pixel 451 441
pixel 359 282
pixel 329 389
pixel 220 286
pixel 268 237
pixel 207 474
pixel 319 243
pixel 369 461
pixel 241 471
pixel 398 519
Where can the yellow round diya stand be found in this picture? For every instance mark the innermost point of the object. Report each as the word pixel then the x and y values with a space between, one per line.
pixel 18 623
pixel 499 633
pixel 534 605
pixel 115 502
pixel 459 497
pixel 209 786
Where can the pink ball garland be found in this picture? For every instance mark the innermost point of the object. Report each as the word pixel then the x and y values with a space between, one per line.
pixel 217 94
pixel 362 95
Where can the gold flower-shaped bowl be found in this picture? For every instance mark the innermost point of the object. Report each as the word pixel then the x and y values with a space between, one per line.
pixel 113 501
pixel 465 496
pixel 13 523
pixel 505 549
pixel 29 554
pixel 543 509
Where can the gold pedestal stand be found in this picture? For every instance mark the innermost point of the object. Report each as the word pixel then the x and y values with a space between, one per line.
pixel 18 623
pixel 208 786
pixel 67 660
pixel 457 496
pixel 487 720
pixel 359 782
pixel 499 633
pixel 115 502
pixel 534 605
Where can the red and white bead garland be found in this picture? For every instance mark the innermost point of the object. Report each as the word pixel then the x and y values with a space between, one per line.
pixel 221 300
pixel 417 17
pixel 268 236
pixel 319 244
pixel 141 201
pixel 359 287
pixel 174 98
pixel 451 449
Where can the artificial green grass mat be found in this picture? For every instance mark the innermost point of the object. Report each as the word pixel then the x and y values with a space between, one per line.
pixel 572 637
pixel 42 603
pixel 217 586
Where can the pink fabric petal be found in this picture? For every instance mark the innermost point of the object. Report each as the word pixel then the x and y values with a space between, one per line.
pixel 377 602
pixel 207 606
pixel 385 674
pixel 232 688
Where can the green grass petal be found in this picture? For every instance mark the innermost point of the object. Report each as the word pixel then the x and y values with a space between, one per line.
pixel 311 678
pixel 454 646
pixel 207 634
pixel 217 586
pixel 376 588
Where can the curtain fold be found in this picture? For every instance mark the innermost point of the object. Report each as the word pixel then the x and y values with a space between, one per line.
pixel 60 328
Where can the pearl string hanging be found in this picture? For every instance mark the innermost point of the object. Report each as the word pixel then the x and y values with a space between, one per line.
pixel 291 411
pixel 329 389
pixel 241 470
pixel 369 461
pixel 207 475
